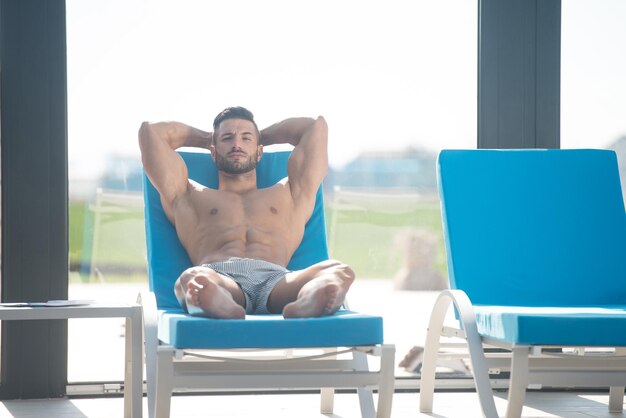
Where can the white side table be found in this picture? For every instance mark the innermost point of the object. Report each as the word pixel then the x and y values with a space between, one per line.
pixel 133 371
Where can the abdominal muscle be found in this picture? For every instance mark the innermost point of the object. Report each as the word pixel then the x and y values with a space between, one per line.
pixel 242 229
pixel 243 242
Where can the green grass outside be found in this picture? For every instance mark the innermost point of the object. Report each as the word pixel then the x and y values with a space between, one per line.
pixel 76 228
pixel 116 248
pixel 371 238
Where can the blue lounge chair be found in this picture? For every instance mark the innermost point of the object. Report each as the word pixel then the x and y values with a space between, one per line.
pixel 196 353
pixel 536 249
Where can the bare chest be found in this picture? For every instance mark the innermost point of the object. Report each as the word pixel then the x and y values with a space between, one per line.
pixel 258 208
pixel 210 211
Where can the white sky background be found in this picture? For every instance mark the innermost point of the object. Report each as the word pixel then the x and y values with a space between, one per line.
pixel 385 75
pixel 593 73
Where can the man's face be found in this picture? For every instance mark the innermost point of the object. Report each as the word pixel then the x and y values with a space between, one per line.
pixel 236 148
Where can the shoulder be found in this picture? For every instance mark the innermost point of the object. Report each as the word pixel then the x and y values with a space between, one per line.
pixel 194 186
pixel 277 190
pixel 278 194
pixel 193 195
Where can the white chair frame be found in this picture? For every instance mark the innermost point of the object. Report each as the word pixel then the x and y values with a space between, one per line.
pixel 528 364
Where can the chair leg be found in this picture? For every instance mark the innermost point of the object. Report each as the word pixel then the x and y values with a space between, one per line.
pixel 151 342
pixel 474 346
pixel 519 382
pixel 327 398
pixel 133 370
pixel 431 349
pixel 366 401
pixel 151 382
pixel 327 402
pixel 616 399
pixel 164 382
pixel 366 398
pixel 386 384
pixel 616 393
pixel 128 399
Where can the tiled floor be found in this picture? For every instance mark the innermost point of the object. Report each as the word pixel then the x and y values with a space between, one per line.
pixel 447 405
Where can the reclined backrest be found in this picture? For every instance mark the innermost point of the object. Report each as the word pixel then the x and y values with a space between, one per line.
pixel 167 258
pixel 534 227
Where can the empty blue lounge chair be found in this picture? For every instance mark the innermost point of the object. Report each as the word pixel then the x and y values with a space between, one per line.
pixel 536 249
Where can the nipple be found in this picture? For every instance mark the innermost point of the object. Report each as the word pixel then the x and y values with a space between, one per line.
pixel 213 211
pixel 273 210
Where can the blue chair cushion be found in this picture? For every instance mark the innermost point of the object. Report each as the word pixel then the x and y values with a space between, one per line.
pixel 600 326
pixel 167 258
pixel 344 329
pixel 534 227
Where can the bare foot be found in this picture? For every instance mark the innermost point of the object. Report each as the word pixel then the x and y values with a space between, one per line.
pixel 205 298
pixel 319 297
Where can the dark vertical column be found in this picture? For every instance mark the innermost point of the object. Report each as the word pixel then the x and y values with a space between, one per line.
pixel 33 109
pixel 519 50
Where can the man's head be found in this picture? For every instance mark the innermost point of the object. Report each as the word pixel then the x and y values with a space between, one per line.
pixel 236 147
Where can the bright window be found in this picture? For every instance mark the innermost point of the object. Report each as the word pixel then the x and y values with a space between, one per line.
pixel 593 86
pixel 396 81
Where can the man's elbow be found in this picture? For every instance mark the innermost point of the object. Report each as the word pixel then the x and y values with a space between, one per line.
pixel 144 133
pixel 144 128
pixel 320 126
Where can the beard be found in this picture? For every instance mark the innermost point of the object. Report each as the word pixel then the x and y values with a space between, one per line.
pixel 236 167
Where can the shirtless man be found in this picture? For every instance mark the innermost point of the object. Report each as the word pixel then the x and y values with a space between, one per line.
pixel 240 238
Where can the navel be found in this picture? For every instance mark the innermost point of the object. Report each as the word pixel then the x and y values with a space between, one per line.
pixel 273 210
pixel 213 211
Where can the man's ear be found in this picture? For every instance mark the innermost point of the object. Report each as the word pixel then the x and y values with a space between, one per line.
pixel 259 152
pixel 212 149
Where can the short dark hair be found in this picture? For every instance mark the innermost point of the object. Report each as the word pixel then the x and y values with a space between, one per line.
pixel 235 112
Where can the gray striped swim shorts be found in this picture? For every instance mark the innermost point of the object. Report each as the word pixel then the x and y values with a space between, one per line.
pixel 256 278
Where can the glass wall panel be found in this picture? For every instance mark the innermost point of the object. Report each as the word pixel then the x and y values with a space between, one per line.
pixel 396 81
pixel 593 86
